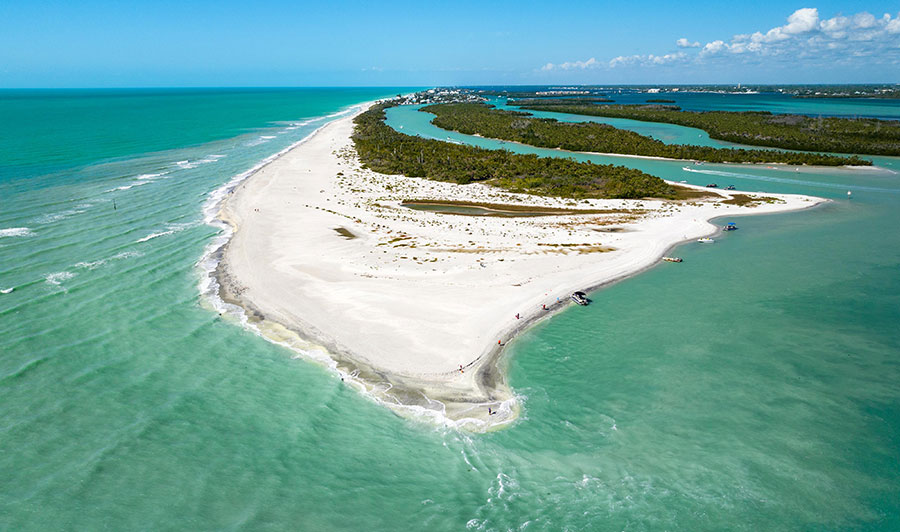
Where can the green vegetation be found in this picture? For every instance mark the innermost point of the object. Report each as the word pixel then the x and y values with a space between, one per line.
pixel 493 209
pixel 660 100
pixel 793 132
pixel 746 201
pixel 472 118
pixel 383 149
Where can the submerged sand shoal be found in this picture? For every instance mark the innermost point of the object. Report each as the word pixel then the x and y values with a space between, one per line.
pixel 323 254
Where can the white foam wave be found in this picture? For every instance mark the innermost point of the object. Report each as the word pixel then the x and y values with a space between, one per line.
pixel 144 177
pixel 140 180
pixel 151 236
pixel 57 216
pixel 188 164
pixel 91 265
pixel 170 229
pixel 258 141
pixel 16 231
pixel 130 185
pixel 57 278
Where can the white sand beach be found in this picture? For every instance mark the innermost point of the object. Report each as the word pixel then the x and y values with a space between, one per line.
pixel 401 299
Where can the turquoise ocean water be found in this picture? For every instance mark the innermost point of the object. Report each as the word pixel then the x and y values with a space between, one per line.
pixel 752 387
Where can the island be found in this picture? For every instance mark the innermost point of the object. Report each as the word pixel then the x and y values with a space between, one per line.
pixel 411 285
pixel 762 128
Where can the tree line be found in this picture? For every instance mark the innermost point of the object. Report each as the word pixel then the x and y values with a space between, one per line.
pixel 762 128
pixel 383 149
pixel 478 118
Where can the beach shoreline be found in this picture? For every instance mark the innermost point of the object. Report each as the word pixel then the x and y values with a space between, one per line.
pixel 424 336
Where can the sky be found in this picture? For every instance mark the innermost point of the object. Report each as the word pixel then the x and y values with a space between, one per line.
pixel 164 43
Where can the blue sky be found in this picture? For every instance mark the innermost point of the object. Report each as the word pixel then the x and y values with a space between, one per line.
pixel 91 43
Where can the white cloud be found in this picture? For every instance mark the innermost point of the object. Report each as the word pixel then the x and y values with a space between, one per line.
pixel 806 39
pixel 893 26
pixel 864 20
pixel 835 27
pixel 713 47
pixel 646 60
pixel 801 21
pixel 573 65
pixel 806 36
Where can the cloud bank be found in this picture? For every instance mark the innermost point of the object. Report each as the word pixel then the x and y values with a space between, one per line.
pixel 806 39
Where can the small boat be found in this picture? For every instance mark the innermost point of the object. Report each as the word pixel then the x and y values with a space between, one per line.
pixel 672 259
pixel 580 298
pixel 729 187
pixel 705 240
pixel 730 227
pixel 712 185
pixel 7 290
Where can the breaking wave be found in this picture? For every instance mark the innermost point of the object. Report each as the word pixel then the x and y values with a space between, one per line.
pixel 16 231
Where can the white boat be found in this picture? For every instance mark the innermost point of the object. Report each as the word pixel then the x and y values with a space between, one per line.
pixel 672 259
pixel 580 298
pixel 705 240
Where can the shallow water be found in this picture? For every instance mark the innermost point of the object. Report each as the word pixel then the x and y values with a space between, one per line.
pixel 752 387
